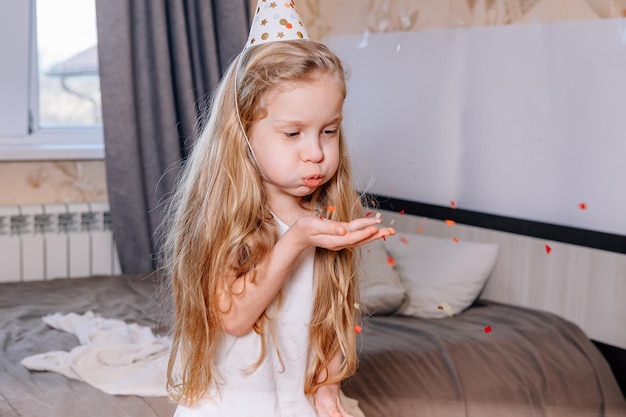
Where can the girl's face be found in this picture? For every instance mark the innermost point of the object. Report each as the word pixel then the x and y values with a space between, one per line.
pixel 297 143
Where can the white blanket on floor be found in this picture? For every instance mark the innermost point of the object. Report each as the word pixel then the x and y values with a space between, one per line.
pixel 116 357
pixel 113 356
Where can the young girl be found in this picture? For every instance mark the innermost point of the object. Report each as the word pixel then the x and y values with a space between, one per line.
pixel 265 222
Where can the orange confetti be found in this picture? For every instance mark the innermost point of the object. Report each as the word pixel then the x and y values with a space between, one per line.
pixel 548 249
pixel 582 206
pixel 391 261
pixel 401 211
pixel 452 204
pixel 357 329
pixel 404 240
pixel 447 308
pixel 419 229
pixel 331 208
pixel 450 222
pixel 456 239
pixel 488 329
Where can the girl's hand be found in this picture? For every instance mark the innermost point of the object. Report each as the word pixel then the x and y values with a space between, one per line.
pixel 328 403
pixel 316 231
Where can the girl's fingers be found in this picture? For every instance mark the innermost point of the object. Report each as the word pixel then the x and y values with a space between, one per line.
pixel 362 223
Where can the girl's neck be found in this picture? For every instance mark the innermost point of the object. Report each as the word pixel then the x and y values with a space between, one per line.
pixel 290 210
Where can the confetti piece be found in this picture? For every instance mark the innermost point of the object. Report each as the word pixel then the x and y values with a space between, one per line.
pixel 548 249
pixel 357 306
pixel 456 239
pixel 447 308
pixel 369 213
pixel 378 215
pixel 331 208
pixel 384 238
pixel 452 204
pixel 488 329
pixel 450 222
pixel 582 206
pixel 404 240
pixel 419 229
pixel 392 221
pixel 391 261
pixel 357 329
pixel 401 211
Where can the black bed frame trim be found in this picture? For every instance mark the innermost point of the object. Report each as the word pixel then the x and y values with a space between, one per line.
pixel 616 358
pixel 582 237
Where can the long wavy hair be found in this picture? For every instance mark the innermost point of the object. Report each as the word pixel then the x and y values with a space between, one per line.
pixel 219 221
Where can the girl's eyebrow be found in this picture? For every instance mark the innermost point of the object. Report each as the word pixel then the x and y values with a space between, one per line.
pixel 334 120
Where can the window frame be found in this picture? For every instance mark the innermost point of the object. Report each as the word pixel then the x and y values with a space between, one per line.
pixel 20 138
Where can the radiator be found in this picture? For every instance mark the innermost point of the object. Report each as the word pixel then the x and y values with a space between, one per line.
pixel 42 242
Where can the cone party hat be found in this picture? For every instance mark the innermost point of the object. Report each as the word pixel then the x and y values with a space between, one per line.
pixel 275 21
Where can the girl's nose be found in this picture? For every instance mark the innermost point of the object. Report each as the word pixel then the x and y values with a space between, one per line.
pixel 313 151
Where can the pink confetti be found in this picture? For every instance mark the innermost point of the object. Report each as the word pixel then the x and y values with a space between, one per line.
pixel 488 329
pixel 404 240
pixel 582 206
pixel 548 249
pixel 401 211
pixel 452 204
pixel 369 213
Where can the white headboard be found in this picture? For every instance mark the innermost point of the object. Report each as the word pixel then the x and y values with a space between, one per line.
pixel 525 121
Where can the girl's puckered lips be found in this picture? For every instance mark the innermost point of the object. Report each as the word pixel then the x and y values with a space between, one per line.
pixel 313 181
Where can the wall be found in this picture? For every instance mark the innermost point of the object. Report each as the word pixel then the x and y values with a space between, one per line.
pixel 52 182
pixel 72 181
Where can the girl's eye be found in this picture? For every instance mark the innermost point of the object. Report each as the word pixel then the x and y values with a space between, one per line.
pixel 330 132
pixel 292 134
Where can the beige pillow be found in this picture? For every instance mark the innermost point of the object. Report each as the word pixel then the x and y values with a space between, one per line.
pixel 380 285
pixel 436 271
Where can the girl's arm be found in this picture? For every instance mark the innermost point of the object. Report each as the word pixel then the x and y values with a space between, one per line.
pixel 250 299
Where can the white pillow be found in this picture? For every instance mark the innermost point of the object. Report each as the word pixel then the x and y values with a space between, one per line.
pixel 437 271
pixel 380 285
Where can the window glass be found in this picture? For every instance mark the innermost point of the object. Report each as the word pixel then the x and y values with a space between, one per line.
pixel 68 81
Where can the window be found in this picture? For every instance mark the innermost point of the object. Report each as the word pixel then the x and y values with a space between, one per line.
pixel 50 101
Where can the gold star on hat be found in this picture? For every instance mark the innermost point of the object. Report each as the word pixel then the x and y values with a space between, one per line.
pixel 275 21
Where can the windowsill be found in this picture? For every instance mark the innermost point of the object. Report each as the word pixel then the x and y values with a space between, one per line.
pixel 79 144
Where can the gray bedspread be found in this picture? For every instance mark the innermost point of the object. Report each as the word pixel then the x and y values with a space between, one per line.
pixel 530 364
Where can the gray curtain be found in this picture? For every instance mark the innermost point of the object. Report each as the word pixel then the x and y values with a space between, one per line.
pixel 159 60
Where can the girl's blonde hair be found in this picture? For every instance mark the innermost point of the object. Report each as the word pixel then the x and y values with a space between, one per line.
pixel 220 222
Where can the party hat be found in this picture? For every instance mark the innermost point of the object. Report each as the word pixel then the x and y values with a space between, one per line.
pixel 275 21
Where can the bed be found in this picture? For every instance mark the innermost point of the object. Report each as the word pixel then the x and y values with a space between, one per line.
pixel 485 359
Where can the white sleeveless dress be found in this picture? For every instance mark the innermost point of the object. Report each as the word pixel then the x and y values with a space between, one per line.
pixel 273 389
